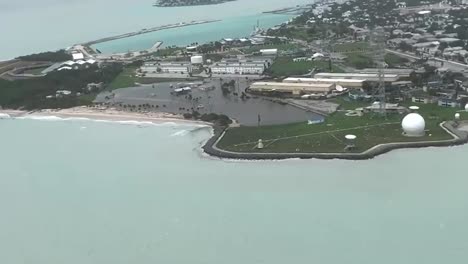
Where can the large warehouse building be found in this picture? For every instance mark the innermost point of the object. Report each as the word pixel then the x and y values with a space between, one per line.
pixel 402 73
pixel 370 77
pixel 292 88
pixel 346 83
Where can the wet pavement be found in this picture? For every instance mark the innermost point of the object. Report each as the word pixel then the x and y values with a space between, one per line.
pixel 209 98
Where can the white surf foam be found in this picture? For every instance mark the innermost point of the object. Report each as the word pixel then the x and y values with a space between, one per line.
pixel 180 133
pixel 4 116
pixel 123 122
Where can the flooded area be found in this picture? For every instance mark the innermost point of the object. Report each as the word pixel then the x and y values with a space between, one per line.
pixel 208 97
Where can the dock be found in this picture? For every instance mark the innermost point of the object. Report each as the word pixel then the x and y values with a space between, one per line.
pixel 149 30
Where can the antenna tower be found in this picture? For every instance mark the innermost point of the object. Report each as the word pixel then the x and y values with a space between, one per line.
pixel 377 42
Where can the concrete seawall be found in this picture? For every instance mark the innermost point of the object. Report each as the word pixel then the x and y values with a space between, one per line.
pixel 459 138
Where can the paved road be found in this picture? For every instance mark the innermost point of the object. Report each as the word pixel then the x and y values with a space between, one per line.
pixel 451 65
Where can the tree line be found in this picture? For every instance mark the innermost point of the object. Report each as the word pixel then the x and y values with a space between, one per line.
pixel 31 93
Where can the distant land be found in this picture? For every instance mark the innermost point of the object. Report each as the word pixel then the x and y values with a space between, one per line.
pixel 174 3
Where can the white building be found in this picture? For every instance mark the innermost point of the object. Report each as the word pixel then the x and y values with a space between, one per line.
pixel 167 67
pixel 77 56
pixel 238 68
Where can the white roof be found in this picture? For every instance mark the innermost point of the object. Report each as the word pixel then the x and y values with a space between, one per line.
pixel 91 61
pixel 78 56
pixel 81 62
pixel 424 12
pixel 316 55
pixel 312 80
pixel 178 90
pixel 69 63
pixel 448 39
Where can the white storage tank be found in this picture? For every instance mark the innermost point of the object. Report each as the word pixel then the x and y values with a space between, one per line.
pixel 198 59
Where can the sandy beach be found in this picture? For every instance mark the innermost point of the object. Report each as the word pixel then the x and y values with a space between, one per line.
pixel 109 114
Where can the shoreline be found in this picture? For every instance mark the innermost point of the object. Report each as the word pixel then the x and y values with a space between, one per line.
pixel 112 115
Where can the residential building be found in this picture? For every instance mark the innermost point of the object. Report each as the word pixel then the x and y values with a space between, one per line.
pixel 445 102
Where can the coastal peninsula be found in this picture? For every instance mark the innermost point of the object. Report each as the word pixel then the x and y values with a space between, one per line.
pixel 323 85
pixel 175 3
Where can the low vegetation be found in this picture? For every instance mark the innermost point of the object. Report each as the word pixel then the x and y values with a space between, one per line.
pixel 53 56
pixel 393 60
pixel 217 119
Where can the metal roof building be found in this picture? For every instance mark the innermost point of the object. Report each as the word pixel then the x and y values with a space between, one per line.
pixel 371 77
pixel 347 83
pixel 292 88
pixel 403 73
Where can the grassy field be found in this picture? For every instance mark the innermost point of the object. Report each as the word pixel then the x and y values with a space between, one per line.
pixel 284 66
pixel 126 78
pixel 328 137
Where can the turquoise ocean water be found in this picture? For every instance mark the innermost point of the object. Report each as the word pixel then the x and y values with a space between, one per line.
pixel 93 192
pixel 234 27
pixel 33 26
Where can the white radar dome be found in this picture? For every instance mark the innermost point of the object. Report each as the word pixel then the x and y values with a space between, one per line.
pixel 413 125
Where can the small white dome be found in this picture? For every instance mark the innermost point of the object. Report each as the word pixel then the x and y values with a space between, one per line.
pixel 466 107
pixel 413 125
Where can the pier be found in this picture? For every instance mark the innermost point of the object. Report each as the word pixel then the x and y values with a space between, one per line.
pixel 148 30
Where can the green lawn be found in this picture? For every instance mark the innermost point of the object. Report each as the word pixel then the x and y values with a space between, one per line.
pixel 370 129
pixel 285 66
pixel 126 78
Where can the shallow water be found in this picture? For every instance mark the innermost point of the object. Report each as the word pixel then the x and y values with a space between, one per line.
pixel 246 112
pixel 94 192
